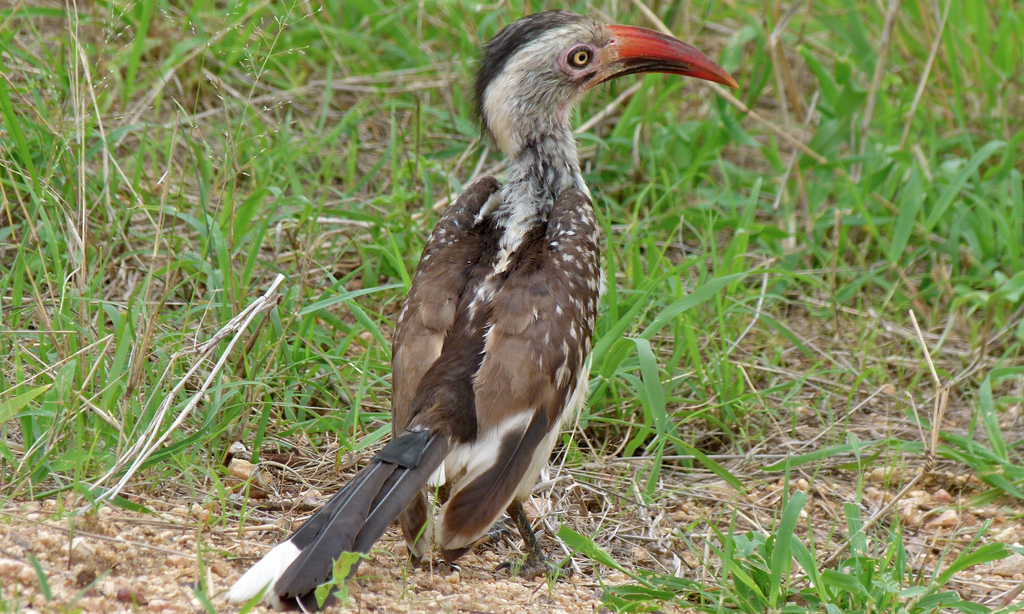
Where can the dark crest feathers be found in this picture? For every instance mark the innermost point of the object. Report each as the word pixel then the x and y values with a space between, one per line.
pixel 508 42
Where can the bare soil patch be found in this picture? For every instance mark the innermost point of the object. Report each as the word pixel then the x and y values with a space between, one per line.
pixel 119 561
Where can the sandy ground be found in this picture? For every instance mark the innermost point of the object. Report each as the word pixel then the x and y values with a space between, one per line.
pixel 123 561
pixel 117 561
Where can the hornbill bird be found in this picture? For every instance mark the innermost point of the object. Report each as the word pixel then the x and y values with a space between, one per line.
pixel 491 348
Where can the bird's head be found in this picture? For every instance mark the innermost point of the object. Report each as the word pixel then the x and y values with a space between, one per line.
pixel 535 69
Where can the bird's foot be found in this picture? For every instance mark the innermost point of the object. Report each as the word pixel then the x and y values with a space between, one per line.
pixel 501 532
pixel 436 566
pixel 432 564
pixel 537 565
pixel 448 567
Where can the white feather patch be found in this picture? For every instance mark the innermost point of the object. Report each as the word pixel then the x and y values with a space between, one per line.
pixel 466 462
pixel 264 574
pixel 438 477
pixel 540 458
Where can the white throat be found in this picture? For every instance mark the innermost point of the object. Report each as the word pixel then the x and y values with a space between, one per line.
pixel 536 176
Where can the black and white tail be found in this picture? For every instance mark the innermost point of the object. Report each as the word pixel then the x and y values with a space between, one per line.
pixel 350 522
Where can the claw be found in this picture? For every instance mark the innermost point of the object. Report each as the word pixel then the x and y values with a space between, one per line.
pixel 499 533
pixel 534 566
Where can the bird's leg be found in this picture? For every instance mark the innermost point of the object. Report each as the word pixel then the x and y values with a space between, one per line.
pixel 536 563
pixel 535 560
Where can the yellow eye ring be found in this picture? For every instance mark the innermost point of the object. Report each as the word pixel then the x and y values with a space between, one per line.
pixel 580 58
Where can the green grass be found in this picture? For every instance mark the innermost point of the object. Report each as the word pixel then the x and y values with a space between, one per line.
pixel 161 164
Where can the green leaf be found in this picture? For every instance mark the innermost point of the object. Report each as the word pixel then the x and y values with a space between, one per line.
pixel 44 584
pixel 910 204
pixel 691 300
pixel 711 464
pixel 11 407
pixel 807 562
pixel 342 568
pixel 782 559
pixel 990 418
pixel 845 582
pixel 803 459
pixel 969 558
pixel 652 383
pixel 345 297
pixel 135 54
pixel 13 124
pixel 955 186
pixel 586 546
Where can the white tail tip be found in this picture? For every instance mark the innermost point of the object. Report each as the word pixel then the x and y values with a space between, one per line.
pixel 264 574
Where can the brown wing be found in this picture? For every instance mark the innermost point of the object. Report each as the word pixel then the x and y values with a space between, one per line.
pixel 541 324
pixel 426 321
pixel 542 319
pixel 437 286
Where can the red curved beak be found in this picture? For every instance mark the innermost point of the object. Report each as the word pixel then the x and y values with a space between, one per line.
pixel 634 50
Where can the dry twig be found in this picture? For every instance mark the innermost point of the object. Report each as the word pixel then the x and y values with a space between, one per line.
pixel 152 439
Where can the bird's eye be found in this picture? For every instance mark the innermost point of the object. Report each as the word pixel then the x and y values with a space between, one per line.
pixel 579 57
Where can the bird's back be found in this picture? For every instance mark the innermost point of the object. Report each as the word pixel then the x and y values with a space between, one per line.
pixel 502 338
